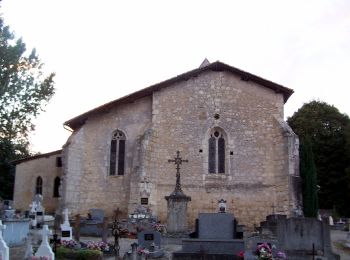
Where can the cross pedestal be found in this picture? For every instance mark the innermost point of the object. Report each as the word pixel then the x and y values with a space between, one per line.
pixel 177 203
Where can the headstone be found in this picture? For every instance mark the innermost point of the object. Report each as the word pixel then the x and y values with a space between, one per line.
pixel 331 222
pixel 216 226
pixel 4 249
pixel 40 210
pixel 44 248
pixel 66 229
pixel 146 238
pixel 97 215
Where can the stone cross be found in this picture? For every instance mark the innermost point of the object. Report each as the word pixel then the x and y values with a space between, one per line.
pixel 178 161
pixel 4 249
pixel 45 249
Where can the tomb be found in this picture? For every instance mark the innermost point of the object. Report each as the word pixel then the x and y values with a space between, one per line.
pixel 215 237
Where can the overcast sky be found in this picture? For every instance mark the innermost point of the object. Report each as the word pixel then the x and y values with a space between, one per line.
pixel 103 50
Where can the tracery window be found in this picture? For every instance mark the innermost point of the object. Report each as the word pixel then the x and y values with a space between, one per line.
pixel 117 154
pixel 39 186
pixel 216 153
pixel 56 187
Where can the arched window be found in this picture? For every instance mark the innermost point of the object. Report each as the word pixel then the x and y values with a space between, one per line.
pixel 117 157
pixel 216 153
pixel 39 186
pixel 56 187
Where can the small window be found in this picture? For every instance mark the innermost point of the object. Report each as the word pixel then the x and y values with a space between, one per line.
pixel 216 153
pixel 117 154
pixel 56 187
pixel 39 186
pixel 58 161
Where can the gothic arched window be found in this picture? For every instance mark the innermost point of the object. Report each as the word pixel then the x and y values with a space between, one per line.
pixel 39 186
pixel 56 187
pixel 216 153
pixel 117 155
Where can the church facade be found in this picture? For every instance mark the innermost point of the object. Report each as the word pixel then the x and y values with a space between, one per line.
pixel 226 122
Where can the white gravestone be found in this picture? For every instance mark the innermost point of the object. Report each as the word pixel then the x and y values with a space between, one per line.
pixel 4 249
pixel 66 229
pixel 45 249
pixel 331 221
pixel 32 214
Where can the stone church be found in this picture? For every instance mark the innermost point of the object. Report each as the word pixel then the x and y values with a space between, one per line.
pixel 226 122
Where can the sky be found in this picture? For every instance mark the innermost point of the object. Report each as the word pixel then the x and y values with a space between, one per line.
pixel 103 50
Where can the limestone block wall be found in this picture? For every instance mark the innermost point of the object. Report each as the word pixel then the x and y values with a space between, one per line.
pixel 25 181
pixel 87 180
pixel 256 177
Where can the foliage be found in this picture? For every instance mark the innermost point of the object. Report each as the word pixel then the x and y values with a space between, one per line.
pixel 328 131
pixel 81 254
pixel 308 174
pixel 24 91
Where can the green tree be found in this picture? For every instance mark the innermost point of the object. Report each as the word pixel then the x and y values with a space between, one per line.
pixel 24 91
pixel 327 130
pixel 309 177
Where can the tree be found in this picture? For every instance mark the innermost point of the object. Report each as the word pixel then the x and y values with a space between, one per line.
pixel 308 175
pixel 24 91
pixel 328 132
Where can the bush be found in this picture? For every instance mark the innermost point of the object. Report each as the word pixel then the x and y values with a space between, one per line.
pixel 80 254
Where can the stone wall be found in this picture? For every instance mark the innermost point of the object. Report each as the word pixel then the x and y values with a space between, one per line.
pixel 256 177
pixel 27 172
pixel 87 180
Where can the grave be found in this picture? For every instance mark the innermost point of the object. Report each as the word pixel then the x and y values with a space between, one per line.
pixel 17 227
pixel 93 225
pixel 4 249
pixel 216 237
pixel 299 238
pixel 151 241
pixel 66 229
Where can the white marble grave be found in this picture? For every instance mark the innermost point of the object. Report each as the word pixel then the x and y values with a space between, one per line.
pixel 4 249
pixel 66 229
pixel 44 248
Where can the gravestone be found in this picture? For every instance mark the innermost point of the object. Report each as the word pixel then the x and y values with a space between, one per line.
pixel 93 225
pixel 40 210
pixel 151 241
pixel 44 248
pixel 4 249
pixel 146 238
pixel 215 238
pixel 66 229
pixel 216 226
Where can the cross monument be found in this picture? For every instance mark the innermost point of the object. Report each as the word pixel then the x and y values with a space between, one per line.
pixel 178 161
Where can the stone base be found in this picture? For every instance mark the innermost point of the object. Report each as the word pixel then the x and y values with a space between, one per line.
pixel 177 212
pixel 213 246
pixel 195 256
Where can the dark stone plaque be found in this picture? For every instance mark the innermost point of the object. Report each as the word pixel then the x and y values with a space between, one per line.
pixel 149 237
pixel 65 233
pixel 39 213
pixel 144 201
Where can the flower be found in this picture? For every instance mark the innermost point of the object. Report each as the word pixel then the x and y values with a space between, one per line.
pixel 143 251
pixel 241 254
pixel 101 246
pixel 264 252
pixel 281 255
pixel 69 243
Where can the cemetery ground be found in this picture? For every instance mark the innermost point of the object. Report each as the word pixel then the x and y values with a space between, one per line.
pixel 171 245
